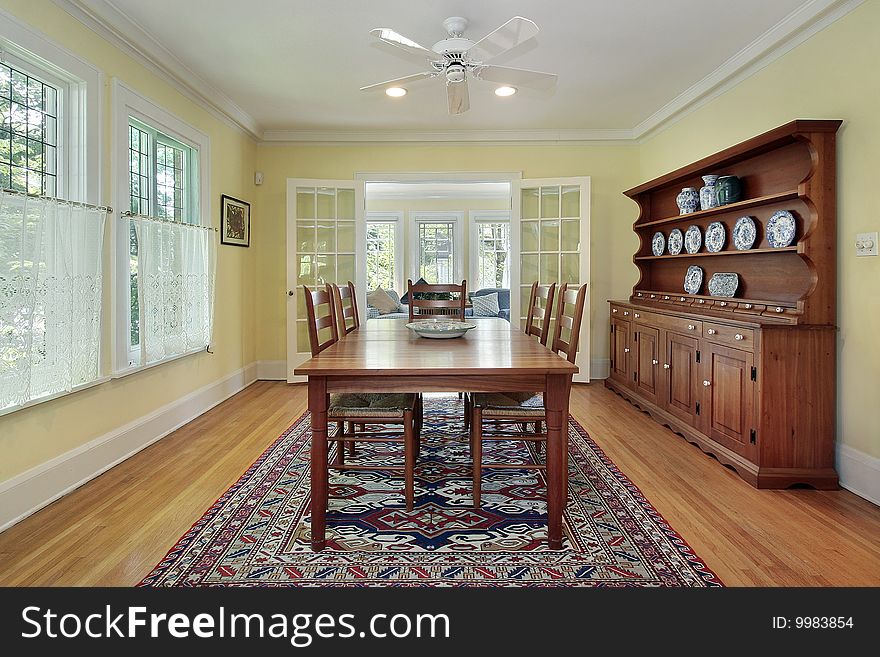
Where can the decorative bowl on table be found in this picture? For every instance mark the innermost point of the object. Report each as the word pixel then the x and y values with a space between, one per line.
pixel 440 328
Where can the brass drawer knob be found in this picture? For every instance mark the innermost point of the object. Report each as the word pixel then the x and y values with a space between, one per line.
pixel 666 297
pixel 779 309
pixel 738 336
pixel 614 310
pixel 637 315
pixel 665 366
pixel 711 331
pixel 722 304
pixel 654 361
pixel 748 306
pixel 691 327
pixel 701 301
pixel 626 350
pixel 707 383
pixel 681 298
pixel 625 313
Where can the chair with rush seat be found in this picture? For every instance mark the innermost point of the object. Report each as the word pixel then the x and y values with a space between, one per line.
pixel 521 408
pixel 362 409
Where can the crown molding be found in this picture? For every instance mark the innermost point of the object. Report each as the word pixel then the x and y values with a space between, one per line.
pixel 783 37
pixel 446 135
pixel 109 22
pixel 105 19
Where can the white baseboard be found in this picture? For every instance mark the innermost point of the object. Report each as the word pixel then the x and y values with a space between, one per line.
pixel 859 473
pixel 30 491
pixel 600 368
pixel 272 370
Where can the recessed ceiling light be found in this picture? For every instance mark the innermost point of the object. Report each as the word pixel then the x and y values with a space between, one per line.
pixel 395 92
pixel 505 91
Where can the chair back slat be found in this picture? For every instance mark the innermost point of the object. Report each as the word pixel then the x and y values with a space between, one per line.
pixel 569 313
pixel 447 308
pixel 345 301
pixel 321 314
pixel 538 318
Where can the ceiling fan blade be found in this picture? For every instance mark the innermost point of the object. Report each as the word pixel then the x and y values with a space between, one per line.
pixel 392 38
pixel 457 95
pixel 516 77
pixel 396 82
pixel 506 37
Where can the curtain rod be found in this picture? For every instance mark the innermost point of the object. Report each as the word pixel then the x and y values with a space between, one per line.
pixel 131 215
pixel 63 201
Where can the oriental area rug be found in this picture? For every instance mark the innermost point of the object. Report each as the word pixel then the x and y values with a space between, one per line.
pixel 257 533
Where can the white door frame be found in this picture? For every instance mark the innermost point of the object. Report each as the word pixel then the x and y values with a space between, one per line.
pixel 583 357
pixel 295 358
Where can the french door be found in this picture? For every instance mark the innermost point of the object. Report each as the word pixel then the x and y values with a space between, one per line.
pixel 553 240
pixel 325 237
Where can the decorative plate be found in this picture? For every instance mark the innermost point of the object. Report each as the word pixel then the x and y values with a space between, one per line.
pixel 693 280
pixel 723 284
pixel 781 229
pixel 440 328
pixel 675 241
pixel 693 239
pixel 658 243
pixel 715 237
pixel 744 233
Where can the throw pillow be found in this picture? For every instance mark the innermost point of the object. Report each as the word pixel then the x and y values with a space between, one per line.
pixel 372 313
pixel 486 305
pixel 380 300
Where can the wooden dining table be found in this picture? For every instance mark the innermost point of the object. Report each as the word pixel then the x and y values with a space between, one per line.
pixel 384 356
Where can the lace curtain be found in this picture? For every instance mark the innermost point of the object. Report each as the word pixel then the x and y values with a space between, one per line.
pixel 50 297
pixel 176 287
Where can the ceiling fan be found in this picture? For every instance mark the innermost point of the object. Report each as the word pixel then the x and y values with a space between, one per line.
pixel 457 58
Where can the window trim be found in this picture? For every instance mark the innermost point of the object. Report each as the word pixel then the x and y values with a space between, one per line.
pixel 129 103
pixel 395 218
pixel 476 217
pixel 445 216
pixel 80 152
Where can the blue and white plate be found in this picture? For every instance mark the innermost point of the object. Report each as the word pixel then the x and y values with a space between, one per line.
pixel 744 233
pixel 658 243
pixel 723 284
pixel 781 228
pixel 440 328
pixel 693 239
pixel 715 237
pixel 675 241
pixel 693 280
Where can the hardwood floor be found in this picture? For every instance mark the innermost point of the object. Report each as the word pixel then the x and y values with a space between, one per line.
pixel 113 530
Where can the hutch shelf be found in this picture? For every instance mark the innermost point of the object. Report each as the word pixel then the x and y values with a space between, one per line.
pixel 750 379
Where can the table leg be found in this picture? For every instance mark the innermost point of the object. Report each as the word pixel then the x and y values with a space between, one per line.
pixel 318 403
pixel 556 402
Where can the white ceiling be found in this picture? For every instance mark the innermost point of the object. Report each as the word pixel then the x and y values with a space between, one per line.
pixel 297 64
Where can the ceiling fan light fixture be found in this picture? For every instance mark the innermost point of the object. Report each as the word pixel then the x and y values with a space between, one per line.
pixel 395 92
pixel 505 91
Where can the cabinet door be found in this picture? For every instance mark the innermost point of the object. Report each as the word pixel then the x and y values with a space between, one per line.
pixel 646 361
pixel 729 397
pixel 620 350
pixel 682 376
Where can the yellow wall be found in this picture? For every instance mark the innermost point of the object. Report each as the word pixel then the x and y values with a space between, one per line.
pixel 414 205
pixel 611 168
pixel 33 435
pixel 832 75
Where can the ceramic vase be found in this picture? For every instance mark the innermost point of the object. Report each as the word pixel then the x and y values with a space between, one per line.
pixel 728 189
pixel 688 200
pixel 708 196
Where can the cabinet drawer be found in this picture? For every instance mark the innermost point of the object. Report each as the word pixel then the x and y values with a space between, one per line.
pixel 681 325
pixel 733 336
pixel 620 312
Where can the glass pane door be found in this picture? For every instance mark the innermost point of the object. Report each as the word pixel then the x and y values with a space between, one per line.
pixel 324 219
pixel 554 231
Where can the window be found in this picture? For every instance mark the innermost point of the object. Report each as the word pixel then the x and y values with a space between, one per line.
pixel 384 257
pixel 437 247
pixel 163 184
pixel 490 249
pixel 29 133
pixel 162 173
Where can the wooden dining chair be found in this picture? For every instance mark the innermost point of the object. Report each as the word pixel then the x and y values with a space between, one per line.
pixel 345 301
pixel 353 410
pixel 540 307
pixel 436 300
pixel 518 408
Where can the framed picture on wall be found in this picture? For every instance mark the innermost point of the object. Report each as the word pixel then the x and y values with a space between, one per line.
pixel 235 221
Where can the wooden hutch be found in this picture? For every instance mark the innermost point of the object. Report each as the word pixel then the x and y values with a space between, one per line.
pixel 750 379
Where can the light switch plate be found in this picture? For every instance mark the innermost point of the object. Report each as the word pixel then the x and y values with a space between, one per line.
pixel 866 244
